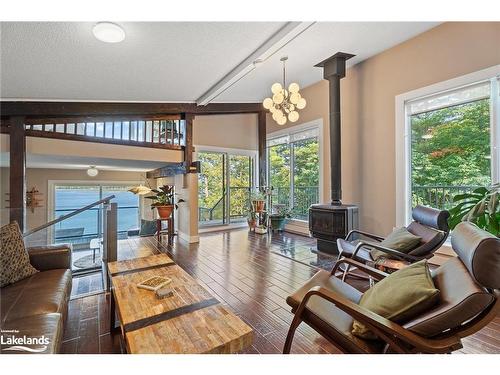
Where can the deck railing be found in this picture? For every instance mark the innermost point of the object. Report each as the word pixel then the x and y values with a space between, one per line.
pixel 438 196
pixel 298 202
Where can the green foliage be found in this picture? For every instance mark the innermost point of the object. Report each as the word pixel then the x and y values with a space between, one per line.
pixel 281 211
pixel 482 207
pixel 305 174
pixel 212 183
pixel 455 147
pixel 164 196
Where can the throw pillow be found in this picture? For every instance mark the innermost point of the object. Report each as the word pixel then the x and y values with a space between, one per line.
pixel 148 227
pixel 399 297
pixel 400 239
pixel 15 259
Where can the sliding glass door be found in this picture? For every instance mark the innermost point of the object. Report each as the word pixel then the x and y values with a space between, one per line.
pixel 224 186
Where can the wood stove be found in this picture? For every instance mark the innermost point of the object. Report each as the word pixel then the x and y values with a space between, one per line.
pixel 333 220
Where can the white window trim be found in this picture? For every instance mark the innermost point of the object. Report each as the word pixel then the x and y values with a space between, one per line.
pixel 318 123
pixel 403 135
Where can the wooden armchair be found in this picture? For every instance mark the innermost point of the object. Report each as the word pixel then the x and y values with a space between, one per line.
pixel 469 299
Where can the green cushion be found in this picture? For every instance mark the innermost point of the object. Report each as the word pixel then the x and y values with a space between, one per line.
pixel 148 227
pixel 399 297
pixel 400 239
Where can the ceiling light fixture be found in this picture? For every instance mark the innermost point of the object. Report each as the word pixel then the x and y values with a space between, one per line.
pixel 108 32
pixel 284 103
pixel 92 171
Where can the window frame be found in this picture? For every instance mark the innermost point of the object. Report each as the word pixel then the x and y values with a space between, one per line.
pixel 289 132
pixel 51 196
pixel 403 132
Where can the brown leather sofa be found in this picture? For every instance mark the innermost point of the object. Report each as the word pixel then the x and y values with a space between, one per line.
pixel 37 306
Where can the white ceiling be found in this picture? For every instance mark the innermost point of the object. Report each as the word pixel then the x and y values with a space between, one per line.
pixel 78 162
pixel 174 62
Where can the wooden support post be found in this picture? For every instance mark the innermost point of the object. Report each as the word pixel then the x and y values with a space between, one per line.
pixel 17 190
pixel 262 148
pixel 188 149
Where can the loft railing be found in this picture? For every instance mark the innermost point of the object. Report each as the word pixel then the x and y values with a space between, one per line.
pixel 298 201
pixel 161 131
pixel 439 196
pixel 90 255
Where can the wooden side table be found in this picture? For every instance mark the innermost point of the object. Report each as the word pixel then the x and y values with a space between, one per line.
pixel 170 229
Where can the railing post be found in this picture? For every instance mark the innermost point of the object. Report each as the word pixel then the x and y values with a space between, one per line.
pixel 110 240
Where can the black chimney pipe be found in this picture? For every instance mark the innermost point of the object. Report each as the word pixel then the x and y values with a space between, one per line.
pixel 333 71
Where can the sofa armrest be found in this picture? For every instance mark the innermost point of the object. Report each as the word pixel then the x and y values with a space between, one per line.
pixel 45 258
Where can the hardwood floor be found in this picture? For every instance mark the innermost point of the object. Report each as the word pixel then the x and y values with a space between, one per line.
pixel 244 271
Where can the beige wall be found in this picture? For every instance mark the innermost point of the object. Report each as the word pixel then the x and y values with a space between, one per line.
pixel 368 108
pixel 229 131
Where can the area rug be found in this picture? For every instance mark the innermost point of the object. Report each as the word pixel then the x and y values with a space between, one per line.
pixel 86 262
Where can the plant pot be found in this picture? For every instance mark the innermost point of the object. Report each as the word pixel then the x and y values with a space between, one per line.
pixel 259 205
pixel 261 230
pixel 252 223
pixel 164 212
pixel 278 222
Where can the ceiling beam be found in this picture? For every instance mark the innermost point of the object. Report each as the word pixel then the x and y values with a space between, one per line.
pixel 62 109
pixel 276 42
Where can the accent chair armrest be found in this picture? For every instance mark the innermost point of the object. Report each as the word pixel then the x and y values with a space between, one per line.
pixel 392 333
pixel 397 254
pixel 366 234
pixel 373 272
pixel 45 258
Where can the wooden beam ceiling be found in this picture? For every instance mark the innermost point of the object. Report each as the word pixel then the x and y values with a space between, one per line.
pixel 61 109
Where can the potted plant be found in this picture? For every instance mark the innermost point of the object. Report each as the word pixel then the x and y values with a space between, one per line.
pixel 258 200
pixel 279 216
pixel 481 207
pixel 252 219
pixel 163 201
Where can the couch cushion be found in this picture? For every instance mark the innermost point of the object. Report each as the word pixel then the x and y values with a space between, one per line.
pixel 15 262
pixel 42 293
pixel 460 299
pixel 400 239
pixel 399 297
pixel 48 325
pixel 346 249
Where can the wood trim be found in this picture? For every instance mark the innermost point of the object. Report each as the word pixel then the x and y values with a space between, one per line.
pixel 86 109
pixel 84 138
pixel 171 169
pixel 188 148
pixel 262 148
pixel 17 173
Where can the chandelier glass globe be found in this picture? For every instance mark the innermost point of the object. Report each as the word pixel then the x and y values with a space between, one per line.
pixel 284 103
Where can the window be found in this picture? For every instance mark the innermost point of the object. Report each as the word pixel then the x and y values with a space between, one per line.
pixel 81 228
pixel 450 131
pixel 294 166
pixel 224 185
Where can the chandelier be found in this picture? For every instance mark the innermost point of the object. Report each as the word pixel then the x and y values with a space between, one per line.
pixel 284 103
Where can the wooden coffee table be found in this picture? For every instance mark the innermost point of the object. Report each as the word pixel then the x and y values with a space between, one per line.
pixel 191 321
